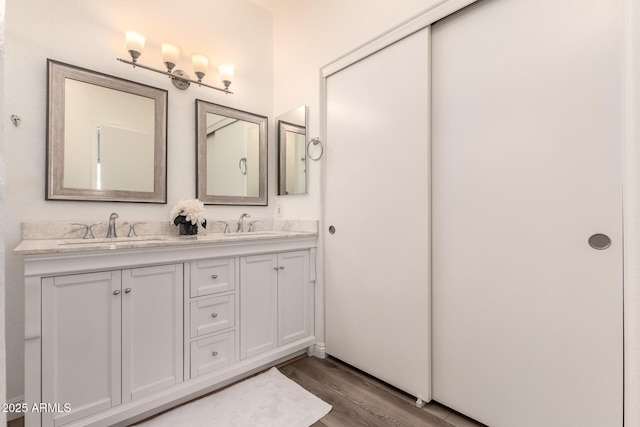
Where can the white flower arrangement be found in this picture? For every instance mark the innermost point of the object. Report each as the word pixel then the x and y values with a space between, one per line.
pixel 189 211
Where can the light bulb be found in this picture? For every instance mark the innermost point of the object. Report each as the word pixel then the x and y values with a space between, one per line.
pixel 135 44
pixel 170 55
pixel 200 63
pixel 226 74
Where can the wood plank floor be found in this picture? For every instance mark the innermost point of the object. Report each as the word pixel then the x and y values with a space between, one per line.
pixel 361 400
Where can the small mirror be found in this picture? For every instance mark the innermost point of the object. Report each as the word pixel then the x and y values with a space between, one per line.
pixel 231 156
pixel 106 139
pixel 292 156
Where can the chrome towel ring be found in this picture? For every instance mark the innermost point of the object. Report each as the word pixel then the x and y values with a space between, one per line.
pixel 315 149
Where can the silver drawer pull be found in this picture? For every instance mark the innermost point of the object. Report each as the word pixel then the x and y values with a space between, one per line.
pixel 214 276
pixel 275 268
pixel 127 291
pixel 116 292
pixel 214 314
pixel 282 267
pixel 214 353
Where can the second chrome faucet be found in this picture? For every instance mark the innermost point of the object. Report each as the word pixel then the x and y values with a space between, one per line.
pixel 111 232
pixel 241 222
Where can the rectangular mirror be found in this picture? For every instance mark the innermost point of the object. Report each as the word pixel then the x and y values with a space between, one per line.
pixel 231 156
pixel 106 137
pixel 292 155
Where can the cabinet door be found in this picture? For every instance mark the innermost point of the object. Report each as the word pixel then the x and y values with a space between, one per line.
pixel 80 344
pixel 152 356
pixel 293 296
pixel 258 304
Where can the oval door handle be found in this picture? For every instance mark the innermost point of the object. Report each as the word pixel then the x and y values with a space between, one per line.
pixel 599 241
pixel 276 268
pixel 214 353
pixel 282 267
pixel 332 229
pixel 215 276
pixel 116 292
pixel 127 291
pixel 214 315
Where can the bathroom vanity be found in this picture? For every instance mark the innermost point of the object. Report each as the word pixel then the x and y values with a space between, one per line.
pixel 120 329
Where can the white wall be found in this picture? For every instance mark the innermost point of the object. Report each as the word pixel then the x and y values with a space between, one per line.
pixel 90 34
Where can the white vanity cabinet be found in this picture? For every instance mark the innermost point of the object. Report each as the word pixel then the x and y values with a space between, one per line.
pixel 274 295
pixel 119 334
pixel 109 338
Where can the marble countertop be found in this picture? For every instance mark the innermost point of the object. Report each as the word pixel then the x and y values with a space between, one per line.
pixel 37 242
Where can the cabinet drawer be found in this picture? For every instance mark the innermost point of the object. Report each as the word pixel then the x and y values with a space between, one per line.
pixel 212 315
pixel 210 354
pixel 211 276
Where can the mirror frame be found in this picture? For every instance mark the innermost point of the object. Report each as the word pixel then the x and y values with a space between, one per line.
pixel 57 72
pixel 204 107
pixel 283 128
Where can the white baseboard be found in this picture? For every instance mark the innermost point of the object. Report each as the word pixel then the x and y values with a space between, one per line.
pixel 320 351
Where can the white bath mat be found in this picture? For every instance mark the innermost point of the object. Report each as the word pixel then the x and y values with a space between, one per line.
pixel 267 400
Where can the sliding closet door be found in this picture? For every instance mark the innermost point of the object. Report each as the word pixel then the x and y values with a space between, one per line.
pixel 377 203
pixel 527 315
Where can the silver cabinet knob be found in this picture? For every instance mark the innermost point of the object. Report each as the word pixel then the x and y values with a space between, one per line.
pixel 116 292
pixel 214 276
pixel 127 291
pixel 282 267
pixel 275 268
pixel 214 353
pixel 214 315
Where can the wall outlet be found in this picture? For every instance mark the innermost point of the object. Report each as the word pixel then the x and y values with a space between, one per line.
pixel 279 208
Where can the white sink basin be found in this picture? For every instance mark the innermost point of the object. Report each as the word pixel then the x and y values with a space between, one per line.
pixel 112 241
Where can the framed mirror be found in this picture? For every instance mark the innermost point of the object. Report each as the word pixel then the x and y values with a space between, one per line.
pixel 106 137
pixel 231 156
pixel 292 155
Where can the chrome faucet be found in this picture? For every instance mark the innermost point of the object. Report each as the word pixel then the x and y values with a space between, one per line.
pixel 241 222
pixel 111 233
pixel 226 226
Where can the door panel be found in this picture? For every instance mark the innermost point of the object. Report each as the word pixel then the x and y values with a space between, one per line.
pixel 293 296
pixel 258 304
pixel 152 329
pixel 80 344
pixel 377 262
pixel 527 317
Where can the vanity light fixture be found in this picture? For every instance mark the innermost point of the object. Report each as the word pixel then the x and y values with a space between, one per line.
pixel 170 54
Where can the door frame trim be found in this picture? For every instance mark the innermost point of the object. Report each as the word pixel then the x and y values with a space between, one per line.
pixel 440 10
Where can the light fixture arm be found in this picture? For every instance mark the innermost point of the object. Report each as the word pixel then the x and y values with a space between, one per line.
pixel 175 77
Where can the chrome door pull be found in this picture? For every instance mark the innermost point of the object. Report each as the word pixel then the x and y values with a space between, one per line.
pixel 599 241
